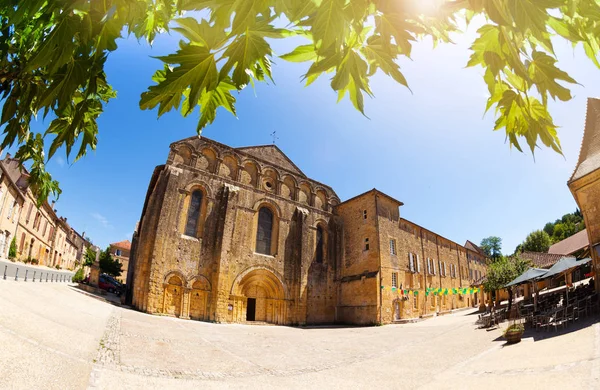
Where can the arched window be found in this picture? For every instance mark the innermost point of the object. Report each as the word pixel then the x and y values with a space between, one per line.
pixel 191 225
pixel 319 254
pixel 264 231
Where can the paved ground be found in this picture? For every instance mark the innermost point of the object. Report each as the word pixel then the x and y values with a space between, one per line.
pixel 53 337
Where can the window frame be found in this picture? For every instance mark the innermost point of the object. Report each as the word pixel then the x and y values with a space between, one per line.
pixel 267 238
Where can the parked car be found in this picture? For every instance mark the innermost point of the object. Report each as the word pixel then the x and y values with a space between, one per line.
pixel 106 284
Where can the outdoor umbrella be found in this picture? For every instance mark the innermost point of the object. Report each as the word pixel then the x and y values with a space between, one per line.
pixel 563 265
pixel 529 276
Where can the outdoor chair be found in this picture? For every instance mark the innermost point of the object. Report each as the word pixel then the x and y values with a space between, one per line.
pixel 570 313
pixel 540 321
pixel 581 307
pixel 556 320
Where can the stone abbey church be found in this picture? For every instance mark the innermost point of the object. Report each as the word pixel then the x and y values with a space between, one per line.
pixel 242 234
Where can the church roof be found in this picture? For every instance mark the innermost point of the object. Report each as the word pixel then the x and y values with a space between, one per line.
pixel 272 154
pixel 589 154
pixel 540 259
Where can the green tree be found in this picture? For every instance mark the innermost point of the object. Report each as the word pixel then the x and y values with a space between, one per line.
pixel 90 257
pixel 549 228
pixel 503 271
pixel 537 241
pixel 53 54
pixel 492 246
pixel 108 265
pixel 78 277
pixel 12 251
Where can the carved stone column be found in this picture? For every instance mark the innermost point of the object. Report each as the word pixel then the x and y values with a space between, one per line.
pixel 304 257
pixel 225 227
pixel 185 303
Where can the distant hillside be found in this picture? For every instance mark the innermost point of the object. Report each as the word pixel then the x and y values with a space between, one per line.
pixel 565 227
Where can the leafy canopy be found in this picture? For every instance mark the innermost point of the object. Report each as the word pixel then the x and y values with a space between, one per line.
pixel 537 241
pixel 503 271
pixel 492 246
pixel 109 265
pixel 52 56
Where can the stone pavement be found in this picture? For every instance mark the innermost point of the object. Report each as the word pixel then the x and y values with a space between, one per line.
pixel 53 337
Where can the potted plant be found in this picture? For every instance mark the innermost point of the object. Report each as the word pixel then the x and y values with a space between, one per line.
pixel 513 333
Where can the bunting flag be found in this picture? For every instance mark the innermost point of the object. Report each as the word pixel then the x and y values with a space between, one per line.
pixel 436 291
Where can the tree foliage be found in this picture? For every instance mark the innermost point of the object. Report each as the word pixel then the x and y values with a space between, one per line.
pixel 537 241
pixel 504 271
pixel 492 246
pixel 53 54
pixel 12 250
pixel 109 265
pixel 79 276
pixel 89 257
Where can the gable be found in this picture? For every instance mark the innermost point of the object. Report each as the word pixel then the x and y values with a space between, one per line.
pixel 589 154
pixel 273 155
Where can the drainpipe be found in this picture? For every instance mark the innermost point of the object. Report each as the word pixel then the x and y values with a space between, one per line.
pixel 379 255
pixel 437 248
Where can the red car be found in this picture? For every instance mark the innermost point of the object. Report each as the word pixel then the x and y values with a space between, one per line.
pixel 106 284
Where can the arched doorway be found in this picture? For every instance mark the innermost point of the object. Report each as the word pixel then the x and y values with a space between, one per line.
pixel 199 299
pixel 262 297
pixel 173 296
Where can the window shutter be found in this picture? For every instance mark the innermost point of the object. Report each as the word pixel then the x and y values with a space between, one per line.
pixel 418 264
pixel 411 262
pixel 433 264
pixel 445 274
pixel 428 267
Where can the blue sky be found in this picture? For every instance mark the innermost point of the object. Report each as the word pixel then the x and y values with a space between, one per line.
pixel 432 149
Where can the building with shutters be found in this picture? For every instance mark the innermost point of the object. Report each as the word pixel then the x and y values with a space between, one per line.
pixel 242 234
pixel 121 251
pixel 41 235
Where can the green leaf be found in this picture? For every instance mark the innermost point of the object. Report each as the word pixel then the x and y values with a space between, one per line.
pixel 351 78
pixel 202 33
pixel 327 24
pixel 196 71
pixel 247 51
pixel 211 100
pixel 301 54
pixel 544 74
pixel 381 57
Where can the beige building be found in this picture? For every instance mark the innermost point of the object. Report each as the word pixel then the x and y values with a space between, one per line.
pixel 121 251
pixel 242 234
pixel 40 234
pixel 11 204
pixel 585 182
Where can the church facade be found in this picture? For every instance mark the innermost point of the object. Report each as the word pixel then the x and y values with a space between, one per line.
pixel 243 235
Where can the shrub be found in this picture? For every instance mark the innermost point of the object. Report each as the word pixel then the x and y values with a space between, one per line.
pixel 34 261
pixel 514 328
pixel 78 277
pixel 12 251
pixel 27 260
pixel 57 266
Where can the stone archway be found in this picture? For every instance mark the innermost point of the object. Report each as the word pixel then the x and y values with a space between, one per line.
pixel 173 296
pixel 260 296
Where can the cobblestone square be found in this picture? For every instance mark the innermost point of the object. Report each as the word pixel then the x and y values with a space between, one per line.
pixel 54 337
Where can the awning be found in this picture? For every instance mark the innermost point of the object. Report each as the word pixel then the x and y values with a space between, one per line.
pixel 530 274
pixel 565 264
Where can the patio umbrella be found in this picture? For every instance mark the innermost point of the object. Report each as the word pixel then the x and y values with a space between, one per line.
pixel 562 266
pixel 529 275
